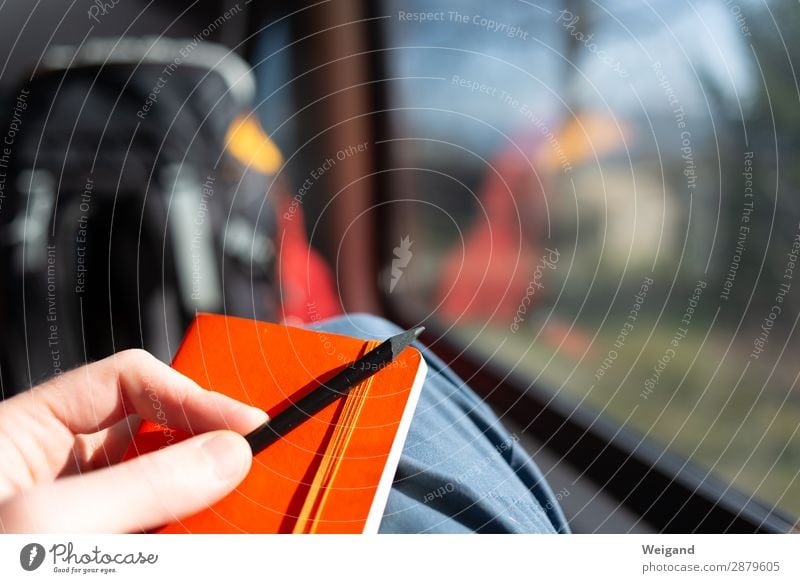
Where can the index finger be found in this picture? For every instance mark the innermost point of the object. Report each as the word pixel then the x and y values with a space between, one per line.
pixel 98 395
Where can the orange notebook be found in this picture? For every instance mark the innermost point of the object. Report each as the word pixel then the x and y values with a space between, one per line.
pixel 333 473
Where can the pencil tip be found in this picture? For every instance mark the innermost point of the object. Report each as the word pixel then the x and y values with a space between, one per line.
pixel 402 340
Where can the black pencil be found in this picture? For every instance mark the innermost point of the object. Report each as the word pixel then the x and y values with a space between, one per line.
pixel 363 368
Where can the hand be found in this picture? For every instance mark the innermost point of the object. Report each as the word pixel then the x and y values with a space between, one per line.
pixel 60 444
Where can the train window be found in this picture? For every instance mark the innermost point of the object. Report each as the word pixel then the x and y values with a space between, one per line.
pixel 603 199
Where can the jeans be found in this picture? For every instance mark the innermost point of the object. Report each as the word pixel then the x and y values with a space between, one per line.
pixel 460 471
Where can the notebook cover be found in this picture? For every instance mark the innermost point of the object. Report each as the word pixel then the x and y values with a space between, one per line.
pixel 333 473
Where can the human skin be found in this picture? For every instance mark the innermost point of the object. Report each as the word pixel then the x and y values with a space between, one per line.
pixel 62 441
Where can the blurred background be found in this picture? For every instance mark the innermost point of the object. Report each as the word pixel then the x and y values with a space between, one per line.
pixel 593 206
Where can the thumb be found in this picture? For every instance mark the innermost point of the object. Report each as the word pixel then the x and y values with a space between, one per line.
pixel 136 495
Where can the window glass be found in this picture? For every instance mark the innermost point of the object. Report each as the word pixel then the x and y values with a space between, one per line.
pixel 605 198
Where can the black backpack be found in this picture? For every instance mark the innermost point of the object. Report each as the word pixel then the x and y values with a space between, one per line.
pixel 125 209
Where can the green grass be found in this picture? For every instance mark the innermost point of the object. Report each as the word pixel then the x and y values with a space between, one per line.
pixel 696 409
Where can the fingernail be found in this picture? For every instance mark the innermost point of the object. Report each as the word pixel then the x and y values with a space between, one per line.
pixel 256 417
pixel 227 456
pixel 249 416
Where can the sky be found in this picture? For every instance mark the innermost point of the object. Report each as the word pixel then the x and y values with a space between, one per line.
pixel 690 39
